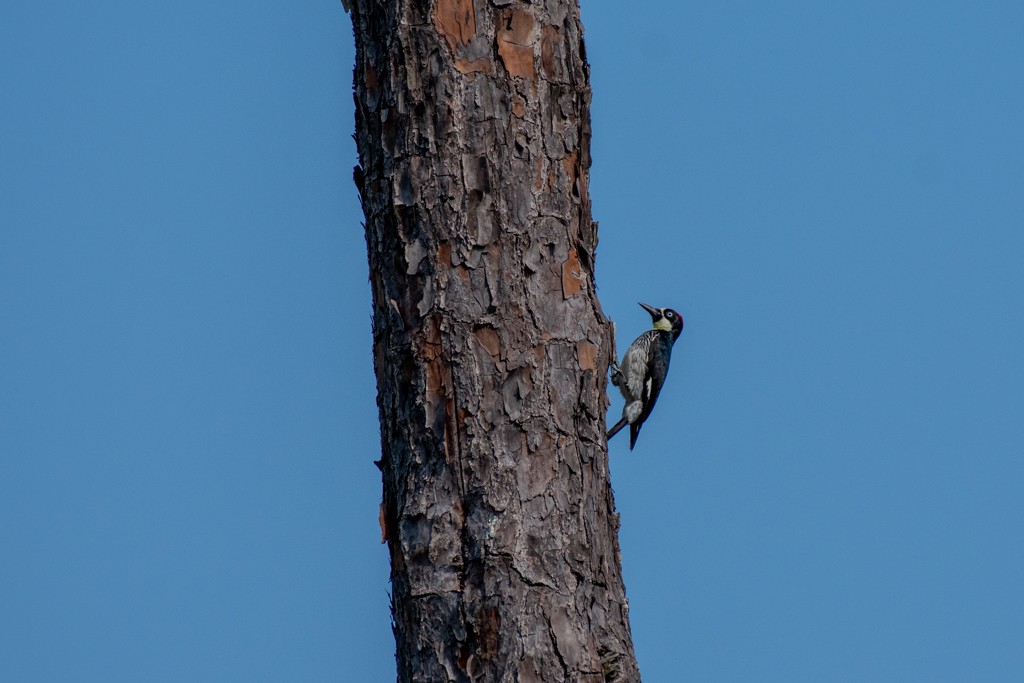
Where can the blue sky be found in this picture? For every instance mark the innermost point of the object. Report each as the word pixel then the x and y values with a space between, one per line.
pixel 829 489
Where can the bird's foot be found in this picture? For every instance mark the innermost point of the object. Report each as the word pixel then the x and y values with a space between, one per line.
pixel 616 373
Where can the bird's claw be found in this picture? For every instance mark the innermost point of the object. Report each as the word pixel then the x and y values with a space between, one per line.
pixel 616 373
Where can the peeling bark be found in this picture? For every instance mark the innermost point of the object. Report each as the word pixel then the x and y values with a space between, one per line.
pixel 490 347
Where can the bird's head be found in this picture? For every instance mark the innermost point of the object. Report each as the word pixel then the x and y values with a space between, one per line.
pixel 665 319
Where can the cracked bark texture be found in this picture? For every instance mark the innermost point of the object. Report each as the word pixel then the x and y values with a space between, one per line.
pixel 490 347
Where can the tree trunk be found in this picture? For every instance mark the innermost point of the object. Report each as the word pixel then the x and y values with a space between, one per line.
pixel 490 347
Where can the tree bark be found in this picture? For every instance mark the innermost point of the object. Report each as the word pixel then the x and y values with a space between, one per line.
pixel 490 347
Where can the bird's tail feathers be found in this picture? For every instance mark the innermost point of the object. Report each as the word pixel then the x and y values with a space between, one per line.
pixel 634 431
pixel 618 425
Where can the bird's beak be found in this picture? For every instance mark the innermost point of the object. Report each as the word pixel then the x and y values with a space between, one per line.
pixel 655 313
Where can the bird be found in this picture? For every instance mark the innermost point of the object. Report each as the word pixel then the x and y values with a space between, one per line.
pixel 643 370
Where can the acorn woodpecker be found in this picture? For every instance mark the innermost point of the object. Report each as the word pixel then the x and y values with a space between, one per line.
pixel 643 370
